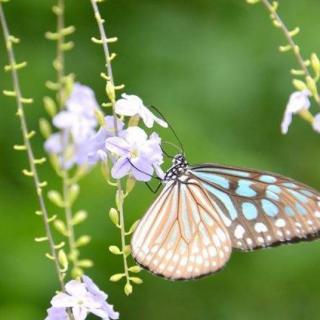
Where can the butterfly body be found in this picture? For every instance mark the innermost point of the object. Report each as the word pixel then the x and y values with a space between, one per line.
pixel 205 211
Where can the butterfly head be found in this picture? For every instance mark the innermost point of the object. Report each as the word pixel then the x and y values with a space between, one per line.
pixel 179 166
pixel 179 160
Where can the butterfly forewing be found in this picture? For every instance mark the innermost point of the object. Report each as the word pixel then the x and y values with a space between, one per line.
pixel 260 209
pixel 182 236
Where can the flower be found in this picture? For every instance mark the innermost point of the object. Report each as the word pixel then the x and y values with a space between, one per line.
pixel 298 101
pixel 137 155
pixel 97 149
pixel 101 296
pixel 82 100
pixel 57 314
pixel 131 105
pixel 316 122
pixel 81 298
pixel 77 123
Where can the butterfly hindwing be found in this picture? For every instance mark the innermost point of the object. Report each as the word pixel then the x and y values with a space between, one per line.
pixel 181 236
pixel 260 209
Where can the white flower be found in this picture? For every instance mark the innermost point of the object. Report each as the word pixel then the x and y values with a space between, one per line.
pixel 298 102
pixel 316 122
pixel 82 299
pixel 137 155
pixel 131 105
pixel 77 123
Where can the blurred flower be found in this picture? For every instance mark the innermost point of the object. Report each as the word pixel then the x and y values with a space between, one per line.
pixel 131 105
pixel 77 125
pixel 137 154
pixel 82 298
pixel 316 122
pixel 82 100
pixel 100 296
pixel 97 144
pixel 57 314
pixel 298 101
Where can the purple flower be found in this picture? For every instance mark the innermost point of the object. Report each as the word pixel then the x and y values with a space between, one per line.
pixel 316 122
pixel 98 151
pixel 77 125
pixel 137 155
pixel 57 314
pixel 81 298
pixel 298 101
pixel 100 296
pixel 131 105
pixel 82 100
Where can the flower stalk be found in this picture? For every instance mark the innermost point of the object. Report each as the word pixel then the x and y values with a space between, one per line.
pixel 117 216
pixel 56 253
pixel 70 189
pixel 310 80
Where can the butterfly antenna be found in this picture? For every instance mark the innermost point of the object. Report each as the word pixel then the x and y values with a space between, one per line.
pixel 171 128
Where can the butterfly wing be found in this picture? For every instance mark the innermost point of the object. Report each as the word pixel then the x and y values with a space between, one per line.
pixel 261 209
pixel 181 236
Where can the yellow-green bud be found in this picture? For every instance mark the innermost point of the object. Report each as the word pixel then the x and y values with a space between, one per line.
pixel 50 106
pixel 136 280
pixel 116 277
pixel 114 216
pixel 45 127
pixel 79 217
pixel 128 289
pixel 115 250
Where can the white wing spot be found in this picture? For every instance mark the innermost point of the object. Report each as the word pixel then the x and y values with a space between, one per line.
pixel 260 239
pixel 280 223
pixel 317 214
pixel 269 238
pixel 310 222
pixel 260 227
pixel 212 251
pixel 239 232
pixel 298 224
pixel 249 241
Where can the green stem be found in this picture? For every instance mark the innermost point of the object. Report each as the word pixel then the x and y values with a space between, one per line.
pixel 60 54
pixel 291 42
pixel 31 158
pixel 106 50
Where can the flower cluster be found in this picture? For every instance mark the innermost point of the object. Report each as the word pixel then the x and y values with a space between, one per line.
pixel 81 298
pixel 77 125
pixel 131 150
pixel 299 101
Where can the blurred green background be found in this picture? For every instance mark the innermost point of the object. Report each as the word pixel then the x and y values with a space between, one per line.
pixel 213 69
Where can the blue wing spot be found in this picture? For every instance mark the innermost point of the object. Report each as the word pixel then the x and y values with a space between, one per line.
pixel 289 211
pixel 269 208
pixel 274 188
pixel 302 210
pixel 225 199
pixel 244 189
pixel 249 210
pixel 307 193
pixel 267 179
pixel 273 196
pixel 232 172
pixel 300 197
pixel 289 185
pixel 213 178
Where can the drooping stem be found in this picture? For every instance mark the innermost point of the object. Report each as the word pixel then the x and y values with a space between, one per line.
pixel 9 40
pixel 279 23
pixel 59 62
pixel 111 88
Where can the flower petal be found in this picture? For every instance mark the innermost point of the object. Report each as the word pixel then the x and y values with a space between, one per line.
pixel 62 300
pixel 79 313
pixel 118 146
pixel 76 288
pixel 128 106
pixel 121 168
pixel 141 169
pixel 316 122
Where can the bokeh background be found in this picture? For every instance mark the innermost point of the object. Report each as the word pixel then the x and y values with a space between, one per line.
pixel 213 69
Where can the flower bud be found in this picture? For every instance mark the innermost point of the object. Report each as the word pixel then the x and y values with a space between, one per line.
pixel 136 280
pixel 50 106
pixel 114 216
pixel 56 198
pixel 115 250
pixel 128 289
pixel 116 277
pixel 79 217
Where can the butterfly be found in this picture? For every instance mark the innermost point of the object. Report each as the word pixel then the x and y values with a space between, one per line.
pixel 205 211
